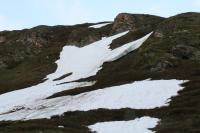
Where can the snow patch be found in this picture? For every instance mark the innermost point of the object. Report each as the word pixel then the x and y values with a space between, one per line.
pixel 87 61
pixel 18 100
pixel 99 25
pixel 147 94
pixel 140 125
pixel 127 48
pixel 60 126
pixel 83 62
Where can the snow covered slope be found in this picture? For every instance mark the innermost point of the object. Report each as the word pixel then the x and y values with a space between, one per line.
pixel 87 61
pixel 81 62
pixel 77 63
pixel 103 86
pixel 140 125
pixel 145 94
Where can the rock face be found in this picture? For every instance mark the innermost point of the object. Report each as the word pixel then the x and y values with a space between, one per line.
pixel 134 22
pixel 123 22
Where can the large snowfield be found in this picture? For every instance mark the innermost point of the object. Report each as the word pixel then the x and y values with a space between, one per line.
pixel 145 94
pixel 31 103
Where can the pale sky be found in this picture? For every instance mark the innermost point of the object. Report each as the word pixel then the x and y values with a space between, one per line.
pixel 19 14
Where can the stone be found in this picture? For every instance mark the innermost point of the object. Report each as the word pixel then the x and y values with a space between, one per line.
pixel 161 65
pixel 182 51
pixel 2 39
pixel 158 34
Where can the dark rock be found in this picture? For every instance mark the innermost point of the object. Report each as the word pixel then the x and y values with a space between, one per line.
pixel 182 51
pixel 161 65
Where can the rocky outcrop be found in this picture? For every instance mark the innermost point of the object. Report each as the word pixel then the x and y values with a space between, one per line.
pixel 123 22
pixel 134 22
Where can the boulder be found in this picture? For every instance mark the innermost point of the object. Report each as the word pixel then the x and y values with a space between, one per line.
pixel 182 51
pixel 2 39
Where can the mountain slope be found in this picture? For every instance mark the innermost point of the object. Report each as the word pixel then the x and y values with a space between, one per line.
pixel 171 52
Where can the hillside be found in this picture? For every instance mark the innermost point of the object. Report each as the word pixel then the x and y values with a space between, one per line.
pixel 137 70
